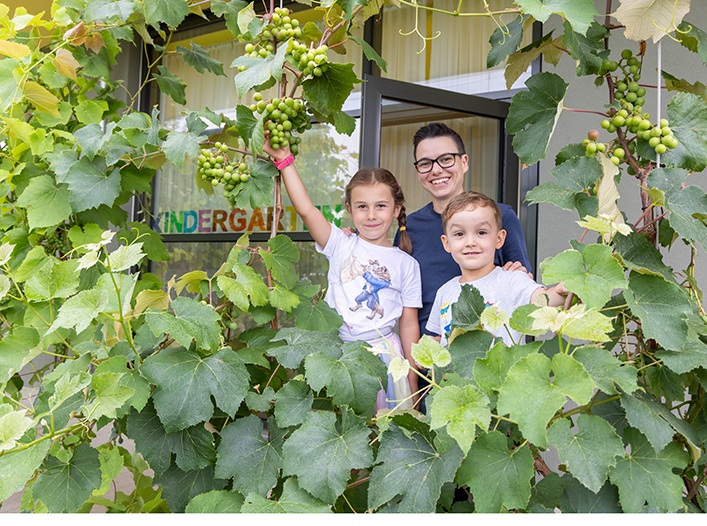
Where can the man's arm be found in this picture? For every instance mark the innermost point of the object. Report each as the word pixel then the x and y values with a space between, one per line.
pixel 514 249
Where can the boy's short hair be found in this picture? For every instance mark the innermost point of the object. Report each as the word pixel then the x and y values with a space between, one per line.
pixel 470 200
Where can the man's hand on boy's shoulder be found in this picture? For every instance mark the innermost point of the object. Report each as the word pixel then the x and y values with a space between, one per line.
pixel 517 266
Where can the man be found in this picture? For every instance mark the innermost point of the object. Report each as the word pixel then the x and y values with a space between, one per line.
pixel 441 163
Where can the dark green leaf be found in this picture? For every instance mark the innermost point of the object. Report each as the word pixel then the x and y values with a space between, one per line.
pixel 533 115
pixel 322 453
pixel 693 39
pixel 180 145
pixel 280 259
pixel 571 151
pixel 249 459
pixel 578 499
pixel 191 321
pixel 467 311
pixel 229 11
pixel 688 121
pixel 504 41
pixel 90 187
pixel 412 467
pixel 316 316
pixel 186 382
pixel 638 254
pixel 690 356
pixel 179 487
pixel 247 122
pixel 258 192
pixel 606 371
pixel 293 500
pixel 587 50
pixel 93 138
pixel 171 85
pixel 327 94
pixel 468 347
pixel 370 52
pixel 165 11
pixel 216 501
pixel 64 486
pixel 498 478
pixel 199 58
pixel 258 70
pixel 293 403
pixel 491 371
pixel 301 343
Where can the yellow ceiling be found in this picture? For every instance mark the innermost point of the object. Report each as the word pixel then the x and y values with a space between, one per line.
pixel 32 6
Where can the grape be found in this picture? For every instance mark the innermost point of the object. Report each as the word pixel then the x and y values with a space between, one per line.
pixel 593 135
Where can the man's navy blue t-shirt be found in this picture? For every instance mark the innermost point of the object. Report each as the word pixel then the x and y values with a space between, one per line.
pixel 437 265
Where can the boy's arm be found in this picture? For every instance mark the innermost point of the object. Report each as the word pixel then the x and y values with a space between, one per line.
pixel 312 217
pixel 550 296
pixel 409 334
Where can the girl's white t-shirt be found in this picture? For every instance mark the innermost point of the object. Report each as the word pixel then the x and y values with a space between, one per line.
pixel 369 285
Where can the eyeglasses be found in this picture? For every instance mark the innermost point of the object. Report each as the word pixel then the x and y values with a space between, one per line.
pixel 446 160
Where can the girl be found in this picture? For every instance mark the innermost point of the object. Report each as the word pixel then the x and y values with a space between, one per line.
pixel 372 284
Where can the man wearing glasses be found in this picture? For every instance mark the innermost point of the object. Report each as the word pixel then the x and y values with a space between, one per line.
pixel 441 162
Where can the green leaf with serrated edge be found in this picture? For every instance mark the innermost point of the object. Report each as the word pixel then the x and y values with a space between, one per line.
pixel 578 499
pixel 532 399
pixel 47 203
pixel 292 500
pixel 590 451
pixel 654 19
pixel 491 371
pixel 90 111
pixel 662 308
pixel 91 184
pixel 151 241
pixel 180 145
pixel 13 426
pixel 191 321
pixel 150 438
pixel 572 151
pixel 58 279
pixel 519 62
pixel 522 321
pixel 229 11
pixel 498 478
pixel 179 487
pixel 687 114
pixel 247 122
pixel 130 378
pixel 466 348
pixel 344 123
pixel 111 466
pixel 579 13
pixel 216 501
pixel 606 371
pixel 17 468
pixel 687 204
pixel 93 138
pixel 258 70
pixel 326 94
pixel 185 383
pixel 533 115
pixel 412 466
pixel 460 410
pixel 301 343
pixel 10 72
pixel 693 39
pixel 257 341
pixel 33 263
pixel 428 352
pixel 293 403
pixel 247 457
pixel 199 58
pixel 638 254
pixel 280 259
pixel 125 256
pixel 589 50
pixel 504 41
pixel 17 348
pixel 260 402
pixel 258 192
pixel 316 316
pixel 370 53
pixel 245 17
pixel 321 454
pixel 645 476
pixel 158 12
pixel 690 356
pixel 354 379
pixel 171 85
pixel 64 486
pixel 592 274
pixel 110 395
pixel 467 310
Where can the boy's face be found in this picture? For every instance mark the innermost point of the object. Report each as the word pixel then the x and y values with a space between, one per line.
pixel 472 237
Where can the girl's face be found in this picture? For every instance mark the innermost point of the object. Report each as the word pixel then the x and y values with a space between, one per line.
pixel 373 210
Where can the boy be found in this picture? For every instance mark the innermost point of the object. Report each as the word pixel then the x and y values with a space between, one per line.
pixel 472 233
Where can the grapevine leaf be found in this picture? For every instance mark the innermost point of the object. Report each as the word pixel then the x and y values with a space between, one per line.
pixel 412 466
pixel 370 52
pixel 504 41
pixel 17 348
pixel 47 203
pixel 578 499
pixel 63 486
pixel 491 371
pixel 216 501
pixel 654 19
pixel 258 191
pixel 354 379
pixel 498 478
pixel 171 85
pixel 111 466
pixel 466 312
pixel 41 98
pixel 579 13
pixel 293 403
pixel 316 316
pixel 13 426
pixel 179 487
pixel 693 39
pixel 260 402
pixel 58 279
pixel 109 10
pixel 692 354
pixel 258 70
pixel 687 203
pixel 519 62
pixel 532 398
pixel 179 146
pixel 327 94
pixel 90 187
pixel 638 254
pixel 460 410
pixel 293 500
pixel 661 306
pixel 164 11
pixel 111 395
pixel 301 343
pixel 647 476
pixel 229 11
pixel 688 117
pixel 533 115
pixel 591 274
pixel 428 352
pixel 14 49
pixel 125 256
pixel 249 459
pixel 191 321
pixel 590 451
pixel 199 58
pixel 586 50
pixel 322 454
pixel 467 348
pixel 186 381
pixel 151 241
pixel 280 259
pixel 247 122
pixel 16 469
pixel 606 371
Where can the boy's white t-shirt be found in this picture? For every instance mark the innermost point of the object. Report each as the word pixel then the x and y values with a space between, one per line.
pixel 505 289
pixel 369 285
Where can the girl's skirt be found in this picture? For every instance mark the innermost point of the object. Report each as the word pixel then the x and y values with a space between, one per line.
pixel 398 394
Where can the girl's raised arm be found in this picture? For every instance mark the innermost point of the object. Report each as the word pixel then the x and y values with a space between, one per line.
pixel 313 218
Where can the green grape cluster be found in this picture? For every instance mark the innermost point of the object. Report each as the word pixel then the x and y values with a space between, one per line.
pixel 283 118
pixel 309 60
pixel 57 242
pixel 217 167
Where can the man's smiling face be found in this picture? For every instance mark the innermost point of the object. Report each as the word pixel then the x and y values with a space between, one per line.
pixel 442 183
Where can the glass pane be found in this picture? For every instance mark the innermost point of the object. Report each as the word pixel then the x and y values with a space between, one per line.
pixel 481 135
pixel 454 56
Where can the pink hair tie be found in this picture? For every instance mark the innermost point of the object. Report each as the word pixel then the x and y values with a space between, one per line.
pixel 287 161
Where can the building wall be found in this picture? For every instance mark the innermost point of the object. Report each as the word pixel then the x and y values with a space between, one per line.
pixel 556 227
